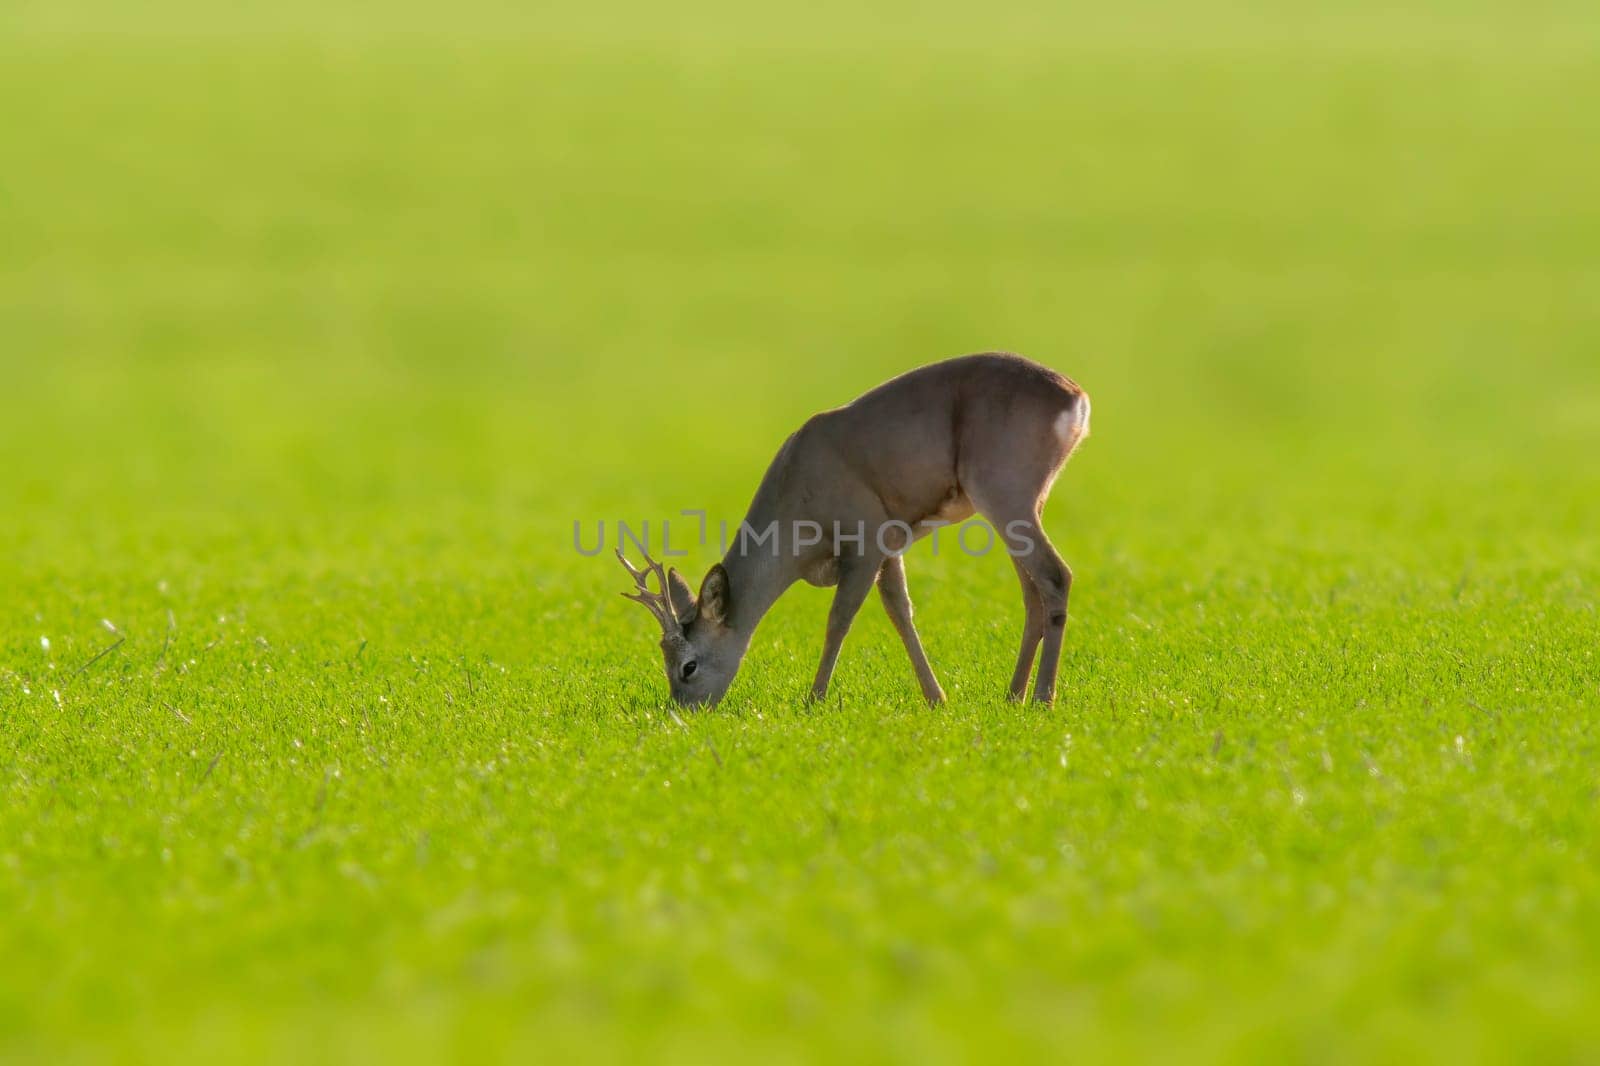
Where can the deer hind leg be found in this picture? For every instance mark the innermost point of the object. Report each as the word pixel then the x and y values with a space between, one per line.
pixel 1052 580
pixel 1009 458
pixel 897 601
pixel 1032 633
pixel 1039 566
pixel 856 576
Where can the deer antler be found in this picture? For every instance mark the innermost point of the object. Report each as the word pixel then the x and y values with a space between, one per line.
pixel 657 603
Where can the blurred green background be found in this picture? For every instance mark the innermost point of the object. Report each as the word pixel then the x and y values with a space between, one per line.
pixel 320 324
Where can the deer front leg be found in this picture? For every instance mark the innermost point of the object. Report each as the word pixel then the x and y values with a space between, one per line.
pixel 897 601
pixel 856 576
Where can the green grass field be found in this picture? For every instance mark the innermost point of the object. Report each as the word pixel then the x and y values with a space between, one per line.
pixel 319 328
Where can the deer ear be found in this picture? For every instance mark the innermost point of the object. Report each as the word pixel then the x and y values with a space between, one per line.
pixel 714 595
pixel 683 605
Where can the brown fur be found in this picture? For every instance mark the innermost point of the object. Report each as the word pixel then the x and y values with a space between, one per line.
pixel 980 434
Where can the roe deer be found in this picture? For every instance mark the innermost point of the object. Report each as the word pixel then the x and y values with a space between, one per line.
pixel 982 433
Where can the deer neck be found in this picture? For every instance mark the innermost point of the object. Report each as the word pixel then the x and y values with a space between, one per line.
pixel 759 567
pixel 756 578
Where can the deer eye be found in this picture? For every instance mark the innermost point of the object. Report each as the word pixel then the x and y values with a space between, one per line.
pixel 688 669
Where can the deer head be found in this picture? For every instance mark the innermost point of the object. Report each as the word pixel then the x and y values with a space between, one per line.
pixel 700 649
